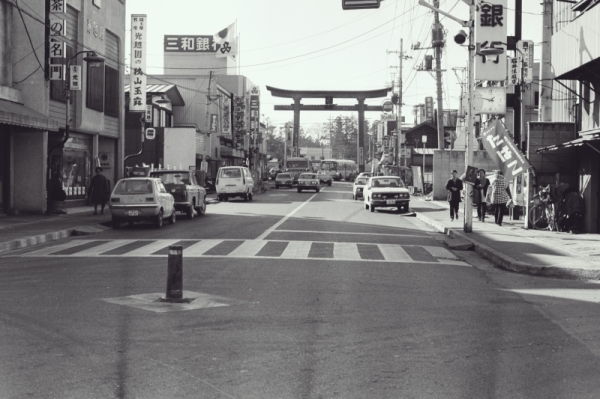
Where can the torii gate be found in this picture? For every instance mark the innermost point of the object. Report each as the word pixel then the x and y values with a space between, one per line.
pixel 329 95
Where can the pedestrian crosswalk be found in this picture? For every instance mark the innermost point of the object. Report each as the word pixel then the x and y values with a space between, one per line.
pixel 279 249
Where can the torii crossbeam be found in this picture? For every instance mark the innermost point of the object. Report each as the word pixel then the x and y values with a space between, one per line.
pixel 329 95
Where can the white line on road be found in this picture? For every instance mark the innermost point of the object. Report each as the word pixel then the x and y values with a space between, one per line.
pixel 394 253
pixel 350 232
pixel 297 250
pixel 343 250
pixel 285 218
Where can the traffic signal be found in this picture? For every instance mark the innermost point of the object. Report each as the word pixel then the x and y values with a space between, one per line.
pixel 461 37
pixel 360 4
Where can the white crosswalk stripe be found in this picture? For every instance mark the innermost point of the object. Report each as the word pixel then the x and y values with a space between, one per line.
pixel 259 249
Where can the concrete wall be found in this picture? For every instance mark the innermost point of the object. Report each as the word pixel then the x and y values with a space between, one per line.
pixel 180 147
pixel 29 159
pixel 446 161
pixel 589 186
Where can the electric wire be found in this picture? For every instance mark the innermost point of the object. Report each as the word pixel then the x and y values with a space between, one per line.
pixel 28 35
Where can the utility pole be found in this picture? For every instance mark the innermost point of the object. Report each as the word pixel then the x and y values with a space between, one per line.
pixel 518 98
pixel 468 223
pixel 401 57
pixel 438 44
pixel 546 68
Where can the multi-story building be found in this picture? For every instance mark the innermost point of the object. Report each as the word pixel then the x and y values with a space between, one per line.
pixel 36 158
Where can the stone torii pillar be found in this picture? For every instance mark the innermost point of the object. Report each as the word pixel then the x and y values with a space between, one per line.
pixel 296 133
pixel 360 143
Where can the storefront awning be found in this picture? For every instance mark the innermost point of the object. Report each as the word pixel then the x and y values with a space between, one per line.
pixel 585 140
pixel 20 115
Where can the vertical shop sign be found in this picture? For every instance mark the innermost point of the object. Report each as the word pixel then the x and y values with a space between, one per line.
pixel 137 94
pixel 226 117
pixel 57 72
pixel 57 48
pixel 490 39
pixel 254 110
pixel 75 77
pixel 239 118
pixel 514 70
pixel 429 109
pixel 214 124
pixel 58 6
pixel 525 50
pixel 58 25
pixel 148 114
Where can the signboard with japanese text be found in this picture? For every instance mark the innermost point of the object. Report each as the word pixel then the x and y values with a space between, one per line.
pixel 214 124
pixel 226 117
pixel 429 109
pixel 190 44
pixel 57 48
pixel 525 50
pixel 239 120
pixel 57 72
pixel 490 38
pixel 58 6
pixel 503 151
pixel 58 25
pixel 137 94
pixel 380 131
pixel 254 110
pixel 75 77
pixel 148 113
pixel 514 71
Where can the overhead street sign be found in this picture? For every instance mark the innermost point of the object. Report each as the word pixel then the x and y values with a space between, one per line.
pixel 312 107
pixel 360 4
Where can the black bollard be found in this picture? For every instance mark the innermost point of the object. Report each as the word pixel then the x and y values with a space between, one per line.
pixel 175 273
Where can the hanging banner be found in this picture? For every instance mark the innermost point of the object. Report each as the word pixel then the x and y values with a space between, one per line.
pixel 525 51
pixel 137 91
pixel 214 124
pixel 490 39
pixel 503 151
pixel 254 110
pixel 514 70
pixel 239 120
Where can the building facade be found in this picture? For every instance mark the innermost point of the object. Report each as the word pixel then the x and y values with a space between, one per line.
pixel 38 164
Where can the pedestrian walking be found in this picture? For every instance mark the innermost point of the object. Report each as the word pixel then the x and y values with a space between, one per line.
pixel 501 197
pixel 454 187
pixel 481 187
pixel 99 191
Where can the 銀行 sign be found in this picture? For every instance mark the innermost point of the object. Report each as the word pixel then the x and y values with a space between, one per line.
pixel 490 41
pixel 190 44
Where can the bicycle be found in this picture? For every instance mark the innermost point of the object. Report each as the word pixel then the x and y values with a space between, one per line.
pixel 262 188
pixel 542 214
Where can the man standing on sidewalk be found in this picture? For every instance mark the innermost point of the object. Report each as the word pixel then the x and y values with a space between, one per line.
pixel 500 197
pixel 454 187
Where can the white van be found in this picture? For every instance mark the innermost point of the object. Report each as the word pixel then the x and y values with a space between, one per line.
pixel 234 181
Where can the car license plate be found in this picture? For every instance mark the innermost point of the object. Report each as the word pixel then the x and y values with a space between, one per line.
pixel 133 213
pixel 390 202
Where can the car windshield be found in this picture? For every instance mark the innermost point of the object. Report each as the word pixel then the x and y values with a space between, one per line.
pixel 381 182
pixel 283 176
pixel 297 164
pixel 134 187
pixel 231 173
pixel 308 176
pixel 328 165
pixel 360 182
pixel 172 177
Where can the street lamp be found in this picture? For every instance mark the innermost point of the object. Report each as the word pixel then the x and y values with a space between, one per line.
pixel 424 140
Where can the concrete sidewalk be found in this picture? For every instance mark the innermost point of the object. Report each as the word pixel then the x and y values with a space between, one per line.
pixel 26 230
pixel 510 246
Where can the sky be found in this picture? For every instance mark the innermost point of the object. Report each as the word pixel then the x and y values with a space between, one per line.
pixel 315 45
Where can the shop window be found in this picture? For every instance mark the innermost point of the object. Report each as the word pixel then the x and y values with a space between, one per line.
pixel 95 87
pixel 111 92
pixel 536 99
pixel 57 87
pixel 76 167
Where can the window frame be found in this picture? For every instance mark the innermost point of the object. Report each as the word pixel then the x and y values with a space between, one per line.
pixel 111 91
pixel 95 88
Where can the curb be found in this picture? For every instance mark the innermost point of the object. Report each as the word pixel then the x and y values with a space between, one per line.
pixel 30 241
pixel 507 263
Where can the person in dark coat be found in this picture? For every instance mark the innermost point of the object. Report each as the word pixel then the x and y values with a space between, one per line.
pixel 481 185
pixel 99 190
pixel 454 187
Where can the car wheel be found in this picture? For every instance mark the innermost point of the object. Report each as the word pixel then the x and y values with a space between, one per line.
pixel 329 183
pixel 189 212
pixel 250 196
pixel 172 218
pixel 372 208
pixel 158 219
pixel 299 190
pixel 245 197
pixel 318 190
pixel 116 224
pixel 219 198
pixel 202 208
pixel 130 223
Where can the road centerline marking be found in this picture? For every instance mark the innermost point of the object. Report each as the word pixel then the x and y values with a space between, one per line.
pixel 285 218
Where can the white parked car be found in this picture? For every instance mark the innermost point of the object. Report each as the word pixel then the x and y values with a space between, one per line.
pixel 386 192
pixel 136 199
pixel 234 181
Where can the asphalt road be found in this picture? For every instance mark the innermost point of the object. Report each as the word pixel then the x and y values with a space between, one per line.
pixel 297 296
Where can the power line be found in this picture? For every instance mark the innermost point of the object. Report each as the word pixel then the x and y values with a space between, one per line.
pixel 28 35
